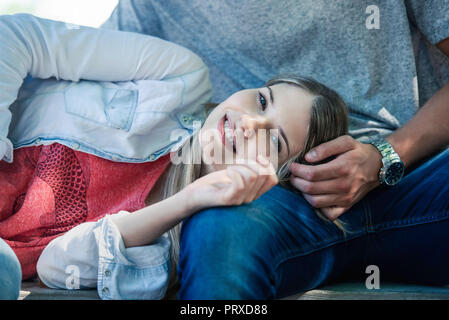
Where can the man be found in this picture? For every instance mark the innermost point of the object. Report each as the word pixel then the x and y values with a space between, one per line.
pixel 388 60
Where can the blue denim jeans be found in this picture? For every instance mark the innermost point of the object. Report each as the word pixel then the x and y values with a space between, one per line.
pixel 277 245
pixel 10 273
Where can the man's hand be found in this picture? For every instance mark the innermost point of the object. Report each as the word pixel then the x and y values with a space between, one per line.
pixel 337 185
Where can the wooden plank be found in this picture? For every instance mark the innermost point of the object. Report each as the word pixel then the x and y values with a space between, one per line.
pixel 387 291
pixel 32 291
pixel 341 291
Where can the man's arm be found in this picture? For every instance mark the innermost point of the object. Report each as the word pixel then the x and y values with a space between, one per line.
pixel 428 131
pixel 337 185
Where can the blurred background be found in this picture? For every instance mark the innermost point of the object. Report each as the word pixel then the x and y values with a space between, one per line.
pixel 83 12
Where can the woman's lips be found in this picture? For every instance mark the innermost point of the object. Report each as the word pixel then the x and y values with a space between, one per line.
pixel 231 126
pixel 221 129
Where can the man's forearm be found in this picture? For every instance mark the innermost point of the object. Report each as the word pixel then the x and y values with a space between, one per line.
pixel 427 132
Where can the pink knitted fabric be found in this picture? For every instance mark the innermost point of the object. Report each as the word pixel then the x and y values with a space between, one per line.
pixel 48 190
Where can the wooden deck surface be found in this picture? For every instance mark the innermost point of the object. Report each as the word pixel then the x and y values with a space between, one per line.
pixel 342 291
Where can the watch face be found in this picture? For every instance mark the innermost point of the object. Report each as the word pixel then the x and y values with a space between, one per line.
pixel 394 173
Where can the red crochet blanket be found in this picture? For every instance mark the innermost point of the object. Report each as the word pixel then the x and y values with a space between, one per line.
pixel 48 190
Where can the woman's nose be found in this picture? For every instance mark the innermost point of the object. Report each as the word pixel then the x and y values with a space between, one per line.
pixel 249 124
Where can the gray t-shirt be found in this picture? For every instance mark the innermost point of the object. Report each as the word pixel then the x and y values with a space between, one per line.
pixel 378 55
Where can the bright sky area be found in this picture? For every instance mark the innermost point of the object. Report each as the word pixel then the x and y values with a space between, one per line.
pixel 83 12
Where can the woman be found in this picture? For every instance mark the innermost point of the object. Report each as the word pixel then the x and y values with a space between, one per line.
pixel 126 255
pixel 308 113
pixel 65 119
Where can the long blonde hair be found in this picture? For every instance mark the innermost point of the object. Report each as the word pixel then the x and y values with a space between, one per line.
pixel 328 121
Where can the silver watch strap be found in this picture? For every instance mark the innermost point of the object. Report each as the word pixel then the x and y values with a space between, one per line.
pixel 386 149
pixel 389 156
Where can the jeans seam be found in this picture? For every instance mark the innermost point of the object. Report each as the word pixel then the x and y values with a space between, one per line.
pixel 368 216
pixel 397 224
pixel 331 243
pixel 368 229
pixel 376 230
pixel 276 272
pixel 364 231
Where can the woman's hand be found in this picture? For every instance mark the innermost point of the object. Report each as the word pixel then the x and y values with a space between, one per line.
pixel 337 185
pixel 235 185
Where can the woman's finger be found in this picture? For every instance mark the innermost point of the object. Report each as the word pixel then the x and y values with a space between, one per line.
pixel 257 188
pixel 250 178
pixel 258 177
pixel 233 194
pixel 269 182
pixel 267 177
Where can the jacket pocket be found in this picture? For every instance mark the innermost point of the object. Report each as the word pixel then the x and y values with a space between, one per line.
pixel 93 101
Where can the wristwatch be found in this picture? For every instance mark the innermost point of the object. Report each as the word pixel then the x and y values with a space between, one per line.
pixel 393 168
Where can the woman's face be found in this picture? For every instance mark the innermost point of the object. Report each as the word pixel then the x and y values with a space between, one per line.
pixel 270 121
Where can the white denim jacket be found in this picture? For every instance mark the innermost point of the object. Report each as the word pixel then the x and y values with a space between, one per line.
pixel 93 255
pixel 118 95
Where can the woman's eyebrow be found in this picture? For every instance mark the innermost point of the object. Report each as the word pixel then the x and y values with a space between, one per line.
pixel 271 94
pixel 280 129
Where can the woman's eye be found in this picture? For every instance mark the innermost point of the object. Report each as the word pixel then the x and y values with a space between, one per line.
pixel 262 101
pixel 276 142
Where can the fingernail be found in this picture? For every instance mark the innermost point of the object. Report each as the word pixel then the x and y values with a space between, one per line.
pixel 262 160
pixel 311 155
